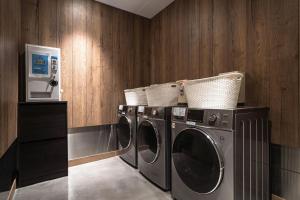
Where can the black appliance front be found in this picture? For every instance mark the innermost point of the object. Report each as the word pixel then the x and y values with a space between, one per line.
pixel 197 161
pixel 154 144
pixel 149 142
pixel 220 154
pixel 126 133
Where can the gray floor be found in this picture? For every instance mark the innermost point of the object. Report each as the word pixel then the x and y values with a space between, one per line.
pixel 109 179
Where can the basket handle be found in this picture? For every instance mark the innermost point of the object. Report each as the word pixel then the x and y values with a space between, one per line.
pixel 239 78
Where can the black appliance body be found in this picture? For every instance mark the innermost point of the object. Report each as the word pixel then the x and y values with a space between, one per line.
pixel 126 133
pixel 220 154
pixel 154 145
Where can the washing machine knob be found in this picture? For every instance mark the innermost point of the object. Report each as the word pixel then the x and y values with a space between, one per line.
pixel 212 119
pixel 53 83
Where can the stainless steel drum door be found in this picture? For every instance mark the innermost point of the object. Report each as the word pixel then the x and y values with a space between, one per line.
pixel 124 133
pixel 148 141
pixel 197 161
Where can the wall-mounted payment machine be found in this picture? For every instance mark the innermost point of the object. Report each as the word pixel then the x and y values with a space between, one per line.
pixel 42 73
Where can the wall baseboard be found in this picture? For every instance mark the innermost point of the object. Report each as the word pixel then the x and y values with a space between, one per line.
pixel 93 158
pixel 12 191
pixel 274 197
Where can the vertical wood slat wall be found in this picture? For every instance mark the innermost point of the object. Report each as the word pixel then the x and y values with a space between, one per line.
pixel 189 39
pixel 9 41
pixel 200 38
pixel 104 51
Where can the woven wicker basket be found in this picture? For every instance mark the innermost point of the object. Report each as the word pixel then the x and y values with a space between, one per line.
pixel 215 92
pixel 182 97
pixel 163 94
pixel 136 97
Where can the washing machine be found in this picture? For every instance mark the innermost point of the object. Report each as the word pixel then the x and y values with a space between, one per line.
pixel 220 154
pixel 126 134
pixel 154 144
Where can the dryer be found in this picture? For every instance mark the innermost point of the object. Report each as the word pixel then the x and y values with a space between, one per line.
pixel 220 154
pixel 154 144
pixel 126 134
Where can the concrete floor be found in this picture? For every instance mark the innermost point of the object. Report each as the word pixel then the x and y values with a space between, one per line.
pixel 109 179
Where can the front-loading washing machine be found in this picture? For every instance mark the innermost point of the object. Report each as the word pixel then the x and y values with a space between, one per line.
pixel 154 144
pixel 126 134
pixel 220 154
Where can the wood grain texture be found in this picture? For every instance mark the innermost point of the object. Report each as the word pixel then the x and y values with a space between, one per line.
pixel 100 54
pixel 79 63
pixel 106 62
pixel 284 74
pixel 93 64
pixel 65 42
pixel 194 39
pixel 9 41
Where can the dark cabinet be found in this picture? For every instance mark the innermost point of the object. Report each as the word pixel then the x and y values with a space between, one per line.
pixel 43 144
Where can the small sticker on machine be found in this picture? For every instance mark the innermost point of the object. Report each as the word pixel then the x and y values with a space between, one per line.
pixel 191 123
pixel 141 109
pixel 120 107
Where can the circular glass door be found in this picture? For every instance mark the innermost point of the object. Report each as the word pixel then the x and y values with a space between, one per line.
pixel 148 144
pixel 124 132
pixel 197 161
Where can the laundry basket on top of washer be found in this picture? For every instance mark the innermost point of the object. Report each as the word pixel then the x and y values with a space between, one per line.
pixel 221 92
pixel 163 94
pixel 136 97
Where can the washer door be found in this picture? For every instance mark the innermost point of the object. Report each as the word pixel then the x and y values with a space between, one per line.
pixel 197 161
pixel 124 132
pixel 148 144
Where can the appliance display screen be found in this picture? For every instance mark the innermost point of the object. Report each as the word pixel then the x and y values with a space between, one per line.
pixel 40 64
pixel 195 115
pixel 179 112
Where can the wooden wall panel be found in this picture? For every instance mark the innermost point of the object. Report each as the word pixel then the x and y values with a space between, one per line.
pixel 9 41
pixel 30 31
pixel 106 60
pixel 100 55
pixel 257 56
pixel 65 42
pixel 93 64
pixel 222 37
pixel 196 39
pixel 79 62
pixel 181 41
pixel 284 70
pixel 47 22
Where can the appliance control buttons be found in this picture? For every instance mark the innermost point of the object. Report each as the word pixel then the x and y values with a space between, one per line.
pixel 173 125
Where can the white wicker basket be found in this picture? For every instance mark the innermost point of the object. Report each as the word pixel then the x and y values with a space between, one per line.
pixel 182 97
pixel 163 94
pixel 136 97
pixel 215 92
pixel 242 96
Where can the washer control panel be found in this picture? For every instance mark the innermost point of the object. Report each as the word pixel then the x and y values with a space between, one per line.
pixel 151 112
pixel 205 117
pixel 124 109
